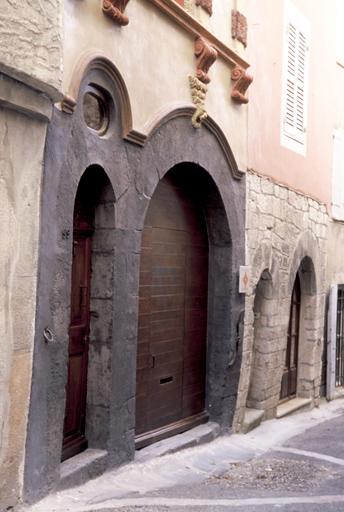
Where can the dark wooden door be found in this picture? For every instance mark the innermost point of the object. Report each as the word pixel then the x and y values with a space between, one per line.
pixel 289 378
pixel 74 439
pixel 173 310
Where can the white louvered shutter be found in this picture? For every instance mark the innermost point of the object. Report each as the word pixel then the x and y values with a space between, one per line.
pixel 294 97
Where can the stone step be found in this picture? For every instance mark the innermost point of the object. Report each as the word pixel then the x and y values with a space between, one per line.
pixel 252 418
pixel 291 406
pixel 82 467
pixel 196 436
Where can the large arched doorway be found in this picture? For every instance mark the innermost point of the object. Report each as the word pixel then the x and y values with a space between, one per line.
pixel 290 371
pixel 172 341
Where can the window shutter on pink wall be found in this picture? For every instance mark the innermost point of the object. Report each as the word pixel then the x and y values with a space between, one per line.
pixel 295 78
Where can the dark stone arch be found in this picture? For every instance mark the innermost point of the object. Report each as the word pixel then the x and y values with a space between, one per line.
pixel 223 360
pixel 134 172
pixel 47 405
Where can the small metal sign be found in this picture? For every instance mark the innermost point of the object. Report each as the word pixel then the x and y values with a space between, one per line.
pixel 244 278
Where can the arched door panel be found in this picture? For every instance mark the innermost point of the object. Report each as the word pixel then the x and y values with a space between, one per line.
pixel 173 310
pixel 74 439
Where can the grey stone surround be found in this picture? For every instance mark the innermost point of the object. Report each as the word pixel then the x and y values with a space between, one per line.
pixel 133 173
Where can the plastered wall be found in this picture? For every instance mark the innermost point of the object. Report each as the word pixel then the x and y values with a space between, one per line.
pixel 22 138
pixel 335 264
pixel 156 72
pixel 30 65
pixel 311 173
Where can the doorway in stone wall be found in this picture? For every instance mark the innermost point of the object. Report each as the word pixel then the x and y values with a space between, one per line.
pixel 173 294
pixel 289 376
pixel 263 377
pixel 89 367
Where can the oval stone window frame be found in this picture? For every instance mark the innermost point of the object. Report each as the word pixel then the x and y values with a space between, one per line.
pixel 103 102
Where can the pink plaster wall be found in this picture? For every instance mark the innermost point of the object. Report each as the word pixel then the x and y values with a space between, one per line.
pixel 310 174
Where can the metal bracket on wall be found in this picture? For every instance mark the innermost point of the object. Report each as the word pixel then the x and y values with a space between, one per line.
pixel 48 335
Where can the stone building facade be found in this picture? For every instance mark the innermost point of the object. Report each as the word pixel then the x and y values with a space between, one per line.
pixel 116 120
pixel 136 183
pixel 286 235
pixel 287 210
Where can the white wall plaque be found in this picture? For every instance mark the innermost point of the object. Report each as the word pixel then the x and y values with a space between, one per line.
pixel 244 279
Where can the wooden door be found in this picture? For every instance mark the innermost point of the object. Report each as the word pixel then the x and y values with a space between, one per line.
pixel 173 311
pixel 289 378
pixel 74 439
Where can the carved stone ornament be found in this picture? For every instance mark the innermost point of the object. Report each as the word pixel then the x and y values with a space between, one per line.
pixel 207 5
pixel 239 27
pixel 241 82
pixel 115 10
pixel 67 104
pixel 198 93
pixel 206 56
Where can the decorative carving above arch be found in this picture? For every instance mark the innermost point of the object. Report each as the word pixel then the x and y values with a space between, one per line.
pixel 241 83
pixel 95 60
pixel 115 10
pixel 206 56
pixel 198 93
pixel 207 5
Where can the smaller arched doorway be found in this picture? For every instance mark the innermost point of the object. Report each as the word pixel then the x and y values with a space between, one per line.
pixel 89 367
pixel 263 376
pixel 290 370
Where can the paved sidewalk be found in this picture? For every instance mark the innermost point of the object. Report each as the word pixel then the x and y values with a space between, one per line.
pixel 130 485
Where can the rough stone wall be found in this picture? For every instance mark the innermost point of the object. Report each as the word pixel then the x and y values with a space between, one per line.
pixel 31 41
pixel 283 229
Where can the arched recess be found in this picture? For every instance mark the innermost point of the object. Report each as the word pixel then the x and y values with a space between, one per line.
pixel 309 330
pixel 185 321
pixel 263 381
pixel 87 407
pixel 305 268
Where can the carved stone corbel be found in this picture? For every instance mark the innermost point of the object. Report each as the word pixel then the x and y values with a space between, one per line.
pixel 241 82
pixel 115 10
pixel 67 104
pixel 198 93
pixel 206 56
pixel 207 5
